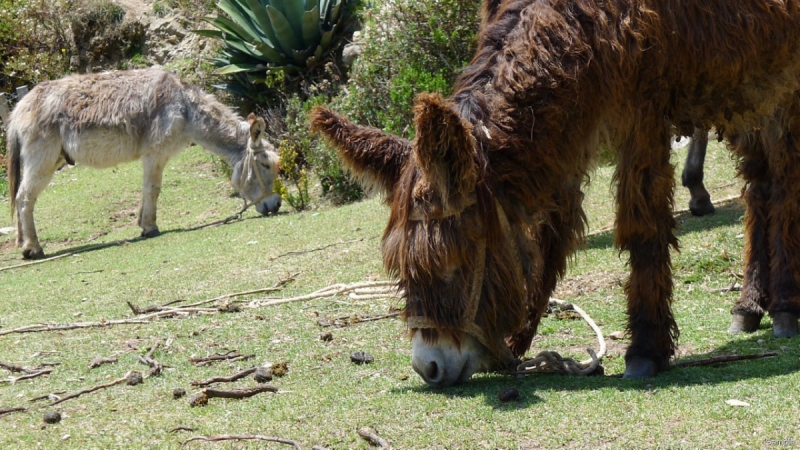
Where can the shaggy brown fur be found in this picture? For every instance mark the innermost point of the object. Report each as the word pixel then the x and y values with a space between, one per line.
pixel 550 81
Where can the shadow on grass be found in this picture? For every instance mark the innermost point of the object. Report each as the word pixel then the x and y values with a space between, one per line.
pixel 85 248
pixel 727 214
pixel 488 386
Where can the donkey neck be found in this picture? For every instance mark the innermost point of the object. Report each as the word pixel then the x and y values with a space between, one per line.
pixel 216 127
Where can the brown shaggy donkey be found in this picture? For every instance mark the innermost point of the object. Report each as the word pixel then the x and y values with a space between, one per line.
pixel 486 200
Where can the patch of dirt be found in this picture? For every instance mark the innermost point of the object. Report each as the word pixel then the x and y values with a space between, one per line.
pixel 589 284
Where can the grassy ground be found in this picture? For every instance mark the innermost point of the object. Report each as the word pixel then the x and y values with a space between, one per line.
pixel 325 398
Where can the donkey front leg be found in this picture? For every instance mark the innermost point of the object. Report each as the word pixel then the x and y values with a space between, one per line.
pixel 151 188
pixel 644 229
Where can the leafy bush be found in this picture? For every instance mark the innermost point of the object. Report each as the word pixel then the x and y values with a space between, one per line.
pixel 35 43
pixel 101 34
pixel 408 48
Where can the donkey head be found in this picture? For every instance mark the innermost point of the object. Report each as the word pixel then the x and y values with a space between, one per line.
pixel 443 241
pixel 255 175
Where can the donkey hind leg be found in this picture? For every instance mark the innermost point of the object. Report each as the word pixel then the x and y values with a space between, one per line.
pixel 37 171
pixel 784 227
pixel 151 188
pixel 556 240
pixel 645 229
pixel 753 302
pixel 692 176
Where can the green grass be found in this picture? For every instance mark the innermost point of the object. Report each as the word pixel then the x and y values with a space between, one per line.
pixel 324 398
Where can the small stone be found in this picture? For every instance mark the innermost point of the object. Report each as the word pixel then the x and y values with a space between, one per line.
pixel 178 393
pixel 198 400
pixel 617 335
pixel 280 369
pixel 52 417
pixel 262 375
pixel 508 394
pixel 326 336
pixel 135 378
pixel 361 357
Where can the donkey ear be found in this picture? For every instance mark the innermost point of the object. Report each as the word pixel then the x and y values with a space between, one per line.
pixel 257 126
pixel 374 157
pixel 444 148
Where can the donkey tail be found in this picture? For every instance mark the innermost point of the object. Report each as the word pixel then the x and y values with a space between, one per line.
pixel 13 164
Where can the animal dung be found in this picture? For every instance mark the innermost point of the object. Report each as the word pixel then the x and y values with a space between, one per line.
pixel 262 374
pixel 200 399
pixel 134 378
pixel 280 369
pixel 361 358
pixel 52 417
pixel 178 393
pixel 326 336
pixel 508 394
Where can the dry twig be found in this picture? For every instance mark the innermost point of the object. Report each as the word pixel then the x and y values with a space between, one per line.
pixel 316 249
pixel 231 356
pixel 5 411
pixel 52 395
pixel 17 369
pixel 373 438
pixel 201 399
pixel 176 429
pixel 155 366
pixel 27 376
pixel 97 362
pixel 242 437
pixel 131 378
pixel 234 377
pixel 723 359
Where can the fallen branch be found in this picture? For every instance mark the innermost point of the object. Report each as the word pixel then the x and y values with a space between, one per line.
pixel 47 396
pixel 132 378
pixel 147 360
pixel 17 369
pixel 343 321
pixel 232 355
pixel 229 379
pixel 373 438
pixel 6 411
pixel 389 289
pixel 201 399
pixel 734 287
pixel 176 429
pixel 149 309
pixel 241 437
pixel 723 359
pixel 28 376
pixel 301 252
pixel 97 362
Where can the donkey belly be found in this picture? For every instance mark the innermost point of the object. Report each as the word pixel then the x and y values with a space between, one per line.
pixel 102 147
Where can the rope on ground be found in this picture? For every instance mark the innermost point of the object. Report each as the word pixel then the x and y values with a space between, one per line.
pixel 552 362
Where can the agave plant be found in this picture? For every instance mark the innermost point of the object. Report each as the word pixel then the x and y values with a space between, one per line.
pixel 264 35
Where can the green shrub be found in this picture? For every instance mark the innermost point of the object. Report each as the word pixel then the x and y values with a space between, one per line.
pixel 408 48
pixel 35 42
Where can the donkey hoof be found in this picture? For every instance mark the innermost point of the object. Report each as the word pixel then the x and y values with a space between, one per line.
pixel 640 368
pixel 35 253
pixel 744 323
pixel 701 207
pixel 151 233
pixel 784 324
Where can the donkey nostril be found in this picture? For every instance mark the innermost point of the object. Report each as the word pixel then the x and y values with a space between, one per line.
pixel 431 371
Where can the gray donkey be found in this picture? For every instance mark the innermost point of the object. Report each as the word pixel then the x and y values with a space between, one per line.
pixel 105 119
